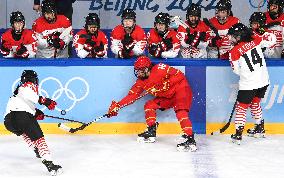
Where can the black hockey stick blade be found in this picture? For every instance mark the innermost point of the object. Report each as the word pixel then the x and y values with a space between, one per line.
pixel 226 126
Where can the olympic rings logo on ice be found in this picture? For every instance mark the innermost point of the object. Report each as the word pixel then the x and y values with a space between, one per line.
pixel 58 93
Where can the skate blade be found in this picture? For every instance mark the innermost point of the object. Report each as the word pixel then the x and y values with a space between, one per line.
pixel 259 135
pixel 191 148
pixel 56 172
pixel 146 140
pixel 238 142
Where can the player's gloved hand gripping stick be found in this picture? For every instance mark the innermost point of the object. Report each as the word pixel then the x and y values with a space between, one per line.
pixel 84 125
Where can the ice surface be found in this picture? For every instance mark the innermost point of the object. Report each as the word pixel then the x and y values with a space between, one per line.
pixel 120 156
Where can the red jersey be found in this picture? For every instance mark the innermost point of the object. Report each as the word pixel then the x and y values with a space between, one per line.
pixel 278 31
pixel 155 39
pixel 200 49
pixel 80 39
pixel 223 31
pixel 43 29
pixel 27 39
pixel 139 39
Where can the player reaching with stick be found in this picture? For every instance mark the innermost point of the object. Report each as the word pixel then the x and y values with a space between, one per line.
pixel 171 90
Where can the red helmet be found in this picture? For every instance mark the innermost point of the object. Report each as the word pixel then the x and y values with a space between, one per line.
pixel 142 66
pixel 142 62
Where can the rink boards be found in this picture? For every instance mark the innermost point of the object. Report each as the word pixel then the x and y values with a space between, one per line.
pixel 85 89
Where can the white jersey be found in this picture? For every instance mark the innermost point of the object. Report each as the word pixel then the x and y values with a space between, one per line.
pixel 25 100
pixel 248 62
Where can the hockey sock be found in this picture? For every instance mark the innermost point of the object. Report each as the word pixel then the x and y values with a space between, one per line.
pixel 28 141
pixel 256 110
pixel 43 149
pixel 185 123
pixel 150 116
pixel 241 111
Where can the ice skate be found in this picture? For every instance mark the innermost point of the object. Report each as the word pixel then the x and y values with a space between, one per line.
pixel 53 169
pixel 188 145
pixel 36 152
pixel 149 136
pixel 237 137
pixel 258 130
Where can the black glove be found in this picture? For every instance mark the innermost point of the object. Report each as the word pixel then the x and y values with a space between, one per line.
pixel 21 51
pixel 215 41
pixel 90 42
pixel 100 47
pixel 3 48
pixel 190 38
pixel 124 54
pixel 167 44
pixel 127 40
pixel 39 115
pixel 58 43
pixel 155 50
pixel 202 36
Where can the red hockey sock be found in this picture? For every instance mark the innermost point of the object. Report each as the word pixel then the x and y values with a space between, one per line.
pixel 241 111
pixel 256 110
pixel 185 123
pixel 28 140
pixel 150 116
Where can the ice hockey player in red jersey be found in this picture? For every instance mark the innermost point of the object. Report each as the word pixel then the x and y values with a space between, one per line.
pixel 162 41
pixel 248 62
pixel 275 16
pixel 53 32
pixel 91 42
pixel 18 42
pixel 128 39
pixel 21 117
pixel 223 20
pixel 171 90
pixel 257 23
pixel 194 38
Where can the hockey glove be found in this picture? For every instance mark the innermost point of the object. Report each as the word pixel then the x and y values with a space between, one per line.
pixel 5 51
pixel 127 40
pixel 99 48
pixel 124 54
pixel 155 50
pixel 167 44
pixel 22 52
pixel 49 103
pixel 190 38
pixel 58 43
pixel 113 109
pixel 216 42
pixel 39 115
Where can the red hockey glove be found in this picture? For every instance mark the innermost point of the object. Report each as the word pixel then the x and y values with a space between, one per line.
pixel 39 115
pixel 113 109
pixel 49 103
pixel 22 52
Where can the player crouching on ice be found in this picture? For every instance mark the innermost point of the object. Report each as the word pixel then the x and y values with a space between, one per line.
pixel 248 62
pixel 22 115
pixel 171 89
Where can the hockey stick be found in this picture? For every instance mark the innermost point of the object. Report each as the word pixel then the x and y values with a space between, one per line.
pixel 73 130
pixel 60 118
pixel 214 29
pixel 226 126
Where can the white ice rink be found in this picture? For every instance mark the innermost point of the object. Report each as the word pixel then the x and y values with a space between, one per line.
pixel 120 156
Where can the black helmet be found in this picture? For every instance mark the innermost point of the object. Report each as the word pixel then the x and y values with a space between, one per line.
pixel 17 17
pixel 29 76
pixel 92 19
pixel 280 4
pixel 194 10
pixel 163 18
pixel 128 14
pixel 242 31
pixel 48 6
pixel 224 5
pixel 259 17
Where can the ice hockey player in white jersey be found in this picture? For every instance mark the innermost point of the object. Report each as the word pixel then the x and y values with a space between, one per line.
pixel 248 62
pixel 54 32
pixel 21 118
pixel 18 42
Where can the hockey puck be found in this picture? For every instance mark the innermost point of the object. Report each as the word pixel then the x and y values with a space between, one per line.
pixel 63 112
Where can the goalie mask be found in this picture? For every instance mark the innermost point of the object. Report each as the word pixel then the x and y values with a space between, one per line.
pixel 223 10
pixel 275 8
pixel 162 22
pixel 128 19
pixel 240 33
pixel 193 14
pixel 29 76
pixel 48 9
pixel 17 21
pixel 142 67
pixel 92 23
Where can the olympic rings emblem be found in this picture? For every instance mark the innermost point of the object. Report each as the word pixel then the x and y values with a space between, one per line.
pixel 58 93
pixel 258 4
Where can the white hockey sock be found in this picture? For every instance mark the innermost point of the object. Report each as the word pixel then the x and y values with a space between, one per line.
pixel 43 149
pixel 240 118
pixel 28 141
pixel 256 112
